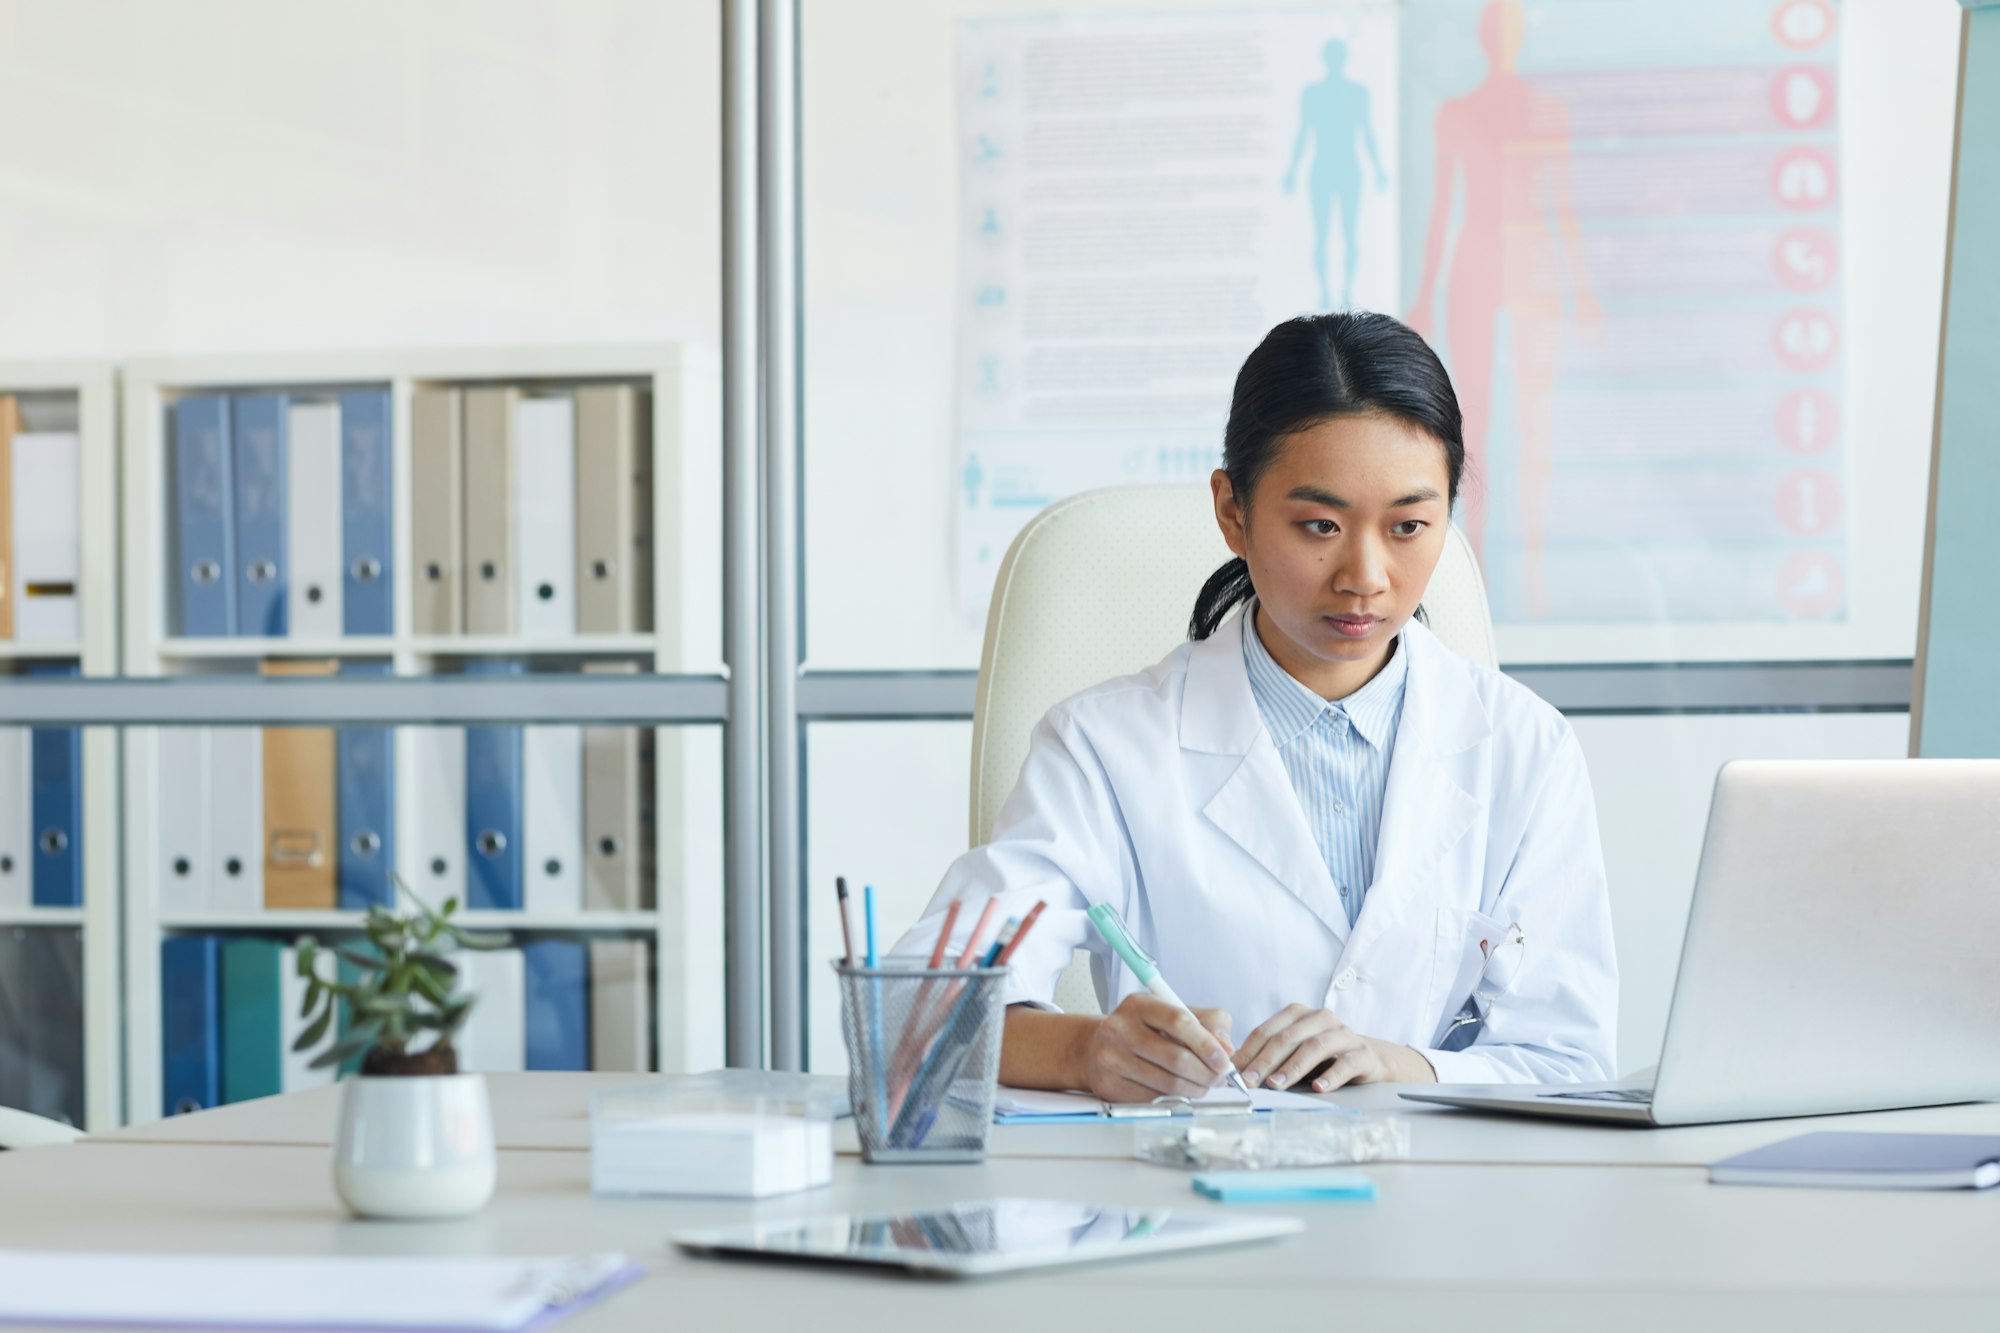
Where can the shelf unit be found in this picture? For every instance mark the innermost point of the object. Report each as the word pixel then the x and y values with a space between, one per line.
pixel 684 384
pixel 92 387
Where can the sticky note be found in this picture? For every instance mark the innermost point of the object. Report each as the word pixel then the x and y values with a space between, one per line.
pixel 1298 1186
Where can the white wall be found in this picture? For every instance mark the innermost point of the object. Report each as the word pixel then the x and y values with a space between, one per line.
pixel 196 176
pixel 887 804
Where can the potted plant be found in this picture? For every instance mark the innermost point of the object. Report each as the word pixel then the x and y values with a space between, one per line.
pixel 416 1135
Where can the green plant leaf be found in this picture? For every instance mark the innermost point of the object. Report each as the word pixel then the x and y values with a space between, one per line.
pixel 315 1031
pixel 481 939
pixel 339 1054
pixel 438 966
pixel 313 991
pixel 438 992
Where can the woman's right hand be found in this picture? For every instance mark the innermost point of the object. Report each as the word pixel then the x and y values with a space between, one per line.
pixel 1147 1048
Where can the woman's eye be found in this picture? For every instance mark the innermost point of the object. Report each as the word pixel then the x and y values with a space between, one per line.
pixel 1409 527
pixel 1321 527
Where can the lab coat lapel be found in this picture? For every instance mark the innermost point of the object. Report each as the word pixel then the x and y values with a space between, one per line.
pixel 1256 807
pixel 1425 812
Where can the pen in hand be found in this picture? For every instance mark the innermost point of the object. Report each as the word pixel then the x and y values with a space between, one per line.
pixel 1105 917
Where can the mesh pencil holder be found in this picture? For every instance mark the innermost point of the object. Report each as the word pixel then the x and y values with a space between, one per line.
pixel 923 1059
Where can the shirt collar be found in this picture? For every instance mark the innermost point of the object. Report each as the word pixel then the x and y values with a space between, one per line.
pixel 1290 707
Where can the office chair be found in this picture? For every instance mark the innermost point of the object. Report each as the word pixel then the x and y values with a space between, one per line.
pixel 19 1129
pixel 1102 584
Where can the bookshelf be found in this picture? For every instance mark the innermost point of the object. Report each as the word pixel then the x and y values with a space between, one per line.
pixel 680 403
pixel 83 395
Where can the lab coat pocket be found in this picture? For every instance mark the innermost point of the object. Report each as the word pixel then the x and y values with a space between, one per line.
pixel 1463 938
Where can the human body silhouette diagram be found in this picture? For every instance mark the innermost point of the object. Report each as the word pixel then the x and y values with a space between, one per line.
pixel 1503 125
pixel 1333 114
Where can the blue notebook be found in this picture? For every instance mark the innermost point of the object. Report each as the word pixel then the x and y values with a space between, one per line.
pixel 367 507
pixel 204 579
pixel 367 790
pixel 191 1023
pixel 1859 1160
pixel 56 809
pixel 558 1004
pixel 258 438
pixel 493 808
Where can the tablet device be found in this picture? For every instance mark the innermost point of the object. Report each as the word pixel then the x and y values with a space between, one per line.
pixel 988 1236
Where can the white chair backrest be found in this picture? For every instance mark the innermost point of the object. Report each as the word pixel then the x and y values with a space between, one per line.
pixel 1102 585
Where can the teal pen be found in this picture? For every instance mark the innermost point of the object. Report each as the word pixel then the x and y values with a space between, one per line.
pixel 868 911
pixel 1105 917
pixel 881 1050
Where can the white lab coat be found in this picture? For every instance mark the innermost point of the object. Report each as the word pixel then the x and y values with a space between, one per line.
pixel 1163 794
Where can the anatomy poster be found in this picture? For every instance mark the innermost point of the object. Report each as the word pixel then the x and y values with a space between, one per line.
pixel 1142 197
pixel 1621 230
pixel 1618 222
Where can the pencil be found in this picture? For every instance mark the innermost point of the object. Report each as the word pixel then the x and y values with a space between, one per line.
pixel 846 926
pixel 915 1023
pixel 944 936
pixel 978 929
pixel 1027 923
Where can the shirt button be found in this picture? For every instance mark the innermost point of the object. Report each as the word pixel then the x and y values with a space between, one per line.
pixel 1340 807
pixel 1344 980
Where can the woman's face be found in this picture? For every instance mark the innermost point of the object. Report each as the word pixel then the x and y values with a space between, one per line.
pixel 1341 535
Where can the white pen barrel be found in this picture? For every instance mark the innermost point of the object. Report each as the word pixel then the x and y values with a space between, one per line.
pixel 1158 985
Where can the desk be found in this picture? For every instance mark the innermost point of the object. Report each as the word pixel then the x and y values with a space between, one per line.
pixel 550 1111
pixel 1450 1247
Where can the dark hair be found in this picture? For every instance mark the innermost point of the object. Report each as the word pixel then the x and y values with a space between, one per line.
pixel 1312 369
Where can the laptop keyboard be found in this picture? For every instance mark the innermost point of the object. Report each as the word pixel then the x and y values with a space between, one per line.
pixel 1642 1096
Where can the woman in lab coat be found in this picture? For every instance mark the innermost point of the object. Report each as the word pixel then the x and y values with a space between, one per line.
pixel 1375 860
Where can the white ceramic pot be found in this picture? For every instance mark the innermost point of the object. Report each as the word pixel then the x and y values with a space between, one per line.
pixel 414 1147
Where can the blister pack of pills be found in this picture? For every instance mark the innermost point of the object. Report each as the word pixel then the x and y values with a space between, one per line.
pixel 1278 1139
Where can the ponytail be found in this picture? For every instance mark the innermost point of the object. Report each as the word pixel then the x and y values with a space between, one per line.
pixel 1226 588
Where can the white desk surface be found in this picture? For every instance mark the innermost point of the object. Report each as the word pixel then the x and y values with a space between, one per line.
pixel 1493 1247
pixel 551 1111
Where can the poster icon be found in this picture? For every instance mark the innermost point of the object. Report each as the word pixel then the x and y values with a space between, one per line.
pixel 1805 259
pixel 1806 340
pixel 1803 179
pixel 1810 584
pixel 1802 24
pixel 1802 97
pixel 1808 502
pixel 1808 421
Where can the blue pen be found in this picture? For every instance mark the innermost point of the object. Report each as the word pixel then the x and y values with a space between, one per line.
pixel 868 910
pixel 1001 941
pixel 875 1013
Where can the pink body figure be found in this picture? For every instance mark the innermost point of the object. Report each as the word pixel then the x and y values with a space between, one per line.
pixel 1493 144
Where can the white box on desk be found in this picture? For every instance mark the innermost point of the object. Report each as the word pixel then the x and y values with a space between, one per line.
pixel 665 1140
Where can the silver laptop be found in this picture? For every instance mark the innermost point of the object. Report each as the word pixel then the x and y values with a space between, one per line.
pixel 1842 952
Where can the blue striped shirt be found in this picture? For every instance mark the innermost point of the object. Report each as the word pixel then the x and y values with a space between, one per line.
pixel 1337 753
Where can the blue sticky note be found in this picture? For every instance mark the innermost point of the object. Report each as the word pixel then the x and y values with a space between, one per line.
pixel 1307 1185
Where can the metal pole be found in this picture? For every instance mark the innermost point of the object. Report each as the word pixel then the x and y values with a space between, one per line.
pixel 743 802
pixel 777 137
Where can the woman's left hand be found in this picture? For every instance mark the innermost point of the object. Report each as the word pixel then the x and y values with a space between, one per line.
pixel 1313 1051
